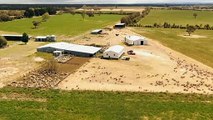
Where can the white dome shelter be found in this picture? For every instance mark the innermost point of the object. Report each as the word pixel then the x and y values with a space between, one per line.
pixel 135 40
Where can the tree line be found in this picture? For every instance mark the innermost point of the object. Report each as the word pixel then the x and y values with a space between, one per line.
pixel 8 15
pixel 39 12
pixel 134 18
pixel 169 25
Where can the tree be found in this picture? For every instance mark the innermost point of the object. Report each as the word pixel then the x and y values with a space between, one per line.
pixel 29 13
pixel 72 11
pixel 51 10
pixel 90 14
pixel 83 13
pixel 36 24
pixel 207 27
pixel 190 29
pixel 195 15
pixel 25 38
pixel 39 11
pixel 45 17
pixel 51 66
pixel 3 42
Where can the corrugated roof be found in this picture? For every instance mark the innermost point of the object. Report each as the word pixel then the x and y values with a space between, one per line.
pixel 115 48
pixel 11 35
pixel 96 31
pixel 120 24
pixel 134 37
pixel 41 37
pixel 72 47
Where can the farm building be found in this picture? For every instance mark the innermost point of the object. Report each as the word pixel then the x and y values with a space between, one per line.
pixel 98 31
pixel 12 37
pixel 114 52
pixel 48 38
pixel 135 40
pixel 68 48
pixel 120 25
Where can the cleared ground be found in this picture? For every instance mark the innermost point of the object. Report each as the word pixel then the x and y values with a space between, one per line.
pixel 198 46
pixel 65 24
pixel 17 103
pixel 179 17
pixel 154 68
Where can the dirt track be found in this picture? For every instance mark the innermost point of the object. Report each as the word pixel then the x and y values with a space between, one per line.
pixel 155 68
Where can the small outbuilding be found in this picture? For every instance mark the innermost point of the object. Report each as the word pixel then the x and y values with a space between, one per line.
pixel 68 48
pixel 120 25
pixel 98 31
pixel 48 38
pixel 135 40
pixel 114 52
pixel 11 37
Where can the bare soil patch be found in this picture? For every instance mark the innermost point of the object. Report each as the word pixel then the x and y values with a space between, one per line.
pixel 192 36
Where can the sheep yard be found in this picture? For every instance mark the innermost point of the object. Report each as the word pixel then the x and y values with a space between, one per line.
pixel 50 75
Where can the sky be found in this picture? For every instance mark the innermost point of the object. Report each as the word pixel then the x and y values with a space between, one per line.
pixel 99 1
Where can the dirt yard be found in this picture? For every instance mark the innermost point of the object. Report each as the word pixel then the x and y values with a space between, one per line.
pixel 17 60
pixel 49 77
pixel 154 68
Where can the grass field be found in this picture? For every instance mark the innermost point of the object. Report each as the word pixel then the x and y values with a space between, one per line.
pixel 180 17
pixel 200 49
pixel 34 104
pixel 65 24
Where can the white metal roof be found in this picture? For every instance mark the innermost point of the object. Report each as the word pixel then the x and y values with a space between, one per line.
pixel 41 37
pixel 72 47
pixel 11 35
pixel 134 37
pixel 96 31
pixel 115 48
pixel 120 24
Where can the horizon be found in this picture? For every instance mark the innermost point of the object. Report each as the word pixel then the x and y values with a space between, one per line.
pixel 105 2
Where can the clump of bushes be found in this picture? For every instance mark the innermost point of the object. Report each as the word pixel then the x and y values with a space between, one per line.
pixel 3 42
pixel 5 17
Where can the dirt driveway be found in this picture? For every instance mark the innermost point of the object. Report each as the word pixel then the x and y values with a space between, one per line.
pixel 154 68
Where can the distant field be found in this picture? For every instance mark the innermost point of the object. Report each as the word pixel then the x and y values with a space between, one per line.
pixel 66 24
pixel 180 17
pixel 35 104
pixel 200 49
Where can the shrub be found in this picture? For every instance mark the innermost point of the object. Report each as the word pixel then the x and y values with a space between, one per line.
pixel 5 17
pixel 3 42
pixel 25 38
